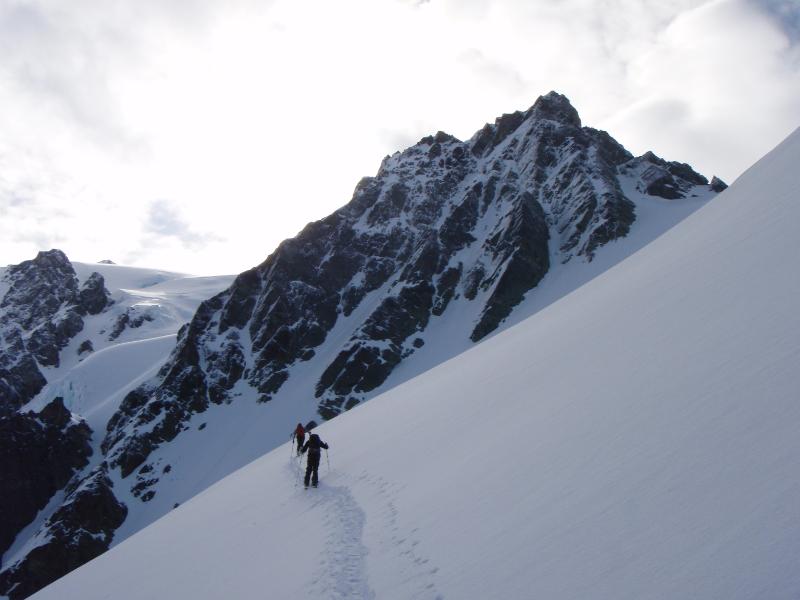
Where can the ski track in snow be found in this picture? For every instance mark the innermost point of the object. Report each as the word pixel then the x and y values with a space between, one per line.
pixel 342 571
pixel 415 570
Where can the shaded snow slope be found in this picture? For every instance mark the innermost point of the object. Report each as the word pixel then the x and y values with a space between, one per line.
pixel 636 439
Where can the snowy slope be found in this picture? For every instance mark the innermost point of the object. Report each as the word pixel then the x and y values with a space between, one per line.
pixel 636 439
pixel 93 384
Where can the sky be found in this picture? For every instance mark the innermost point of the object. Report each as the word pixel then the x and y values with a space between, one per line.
pixel 195 135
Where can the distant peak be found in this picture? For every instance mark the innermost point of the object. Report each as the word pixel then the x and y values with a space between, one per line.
pixel 51 257
pixel 555 107
pixel 440 138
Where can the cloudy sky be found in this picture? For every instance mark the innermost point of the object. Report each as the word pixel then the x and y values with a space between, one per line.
pixel 195 135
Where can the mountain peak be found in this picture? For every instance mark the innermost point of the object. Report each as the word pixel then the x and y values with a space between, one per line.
pixel 555 107
pixel 52 257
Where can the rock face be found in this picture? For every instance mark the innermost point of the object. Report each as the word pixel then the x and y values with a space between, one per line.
pixel 718 185
pixel 81 529
pixel 39 453
pixel 41 311
pixel 480 221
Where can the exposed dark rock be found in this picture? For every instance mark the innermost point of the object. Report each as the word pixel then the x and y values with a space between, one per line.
pixel 78 531
pixel 55 414
pixel 85 347
pixel 555 107
pixel 718 185
pixel 142 488
pixel 40 313
pixel 20 378
pixel 94 297
pixel 132 318
pixel 669 180
pixel 527 251
pixel 39 453
pixel 47 340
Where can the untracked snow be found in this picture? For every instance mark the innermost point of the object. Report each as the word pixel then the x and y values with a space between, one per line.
pixel 635 439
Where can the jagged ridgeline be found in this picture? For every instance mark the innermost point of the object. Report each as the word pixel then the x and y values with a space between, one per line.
pixel 475 224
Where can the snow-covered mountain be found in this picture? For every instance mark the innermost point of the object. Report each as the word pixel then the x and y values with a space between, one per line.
pixel 430 256
pixel 76 338
pixel 451 242
pixel 636 439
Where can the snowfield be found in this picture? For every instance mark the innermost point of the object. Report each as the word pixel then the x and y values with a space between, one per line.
pixel 636 439
pixel 93 384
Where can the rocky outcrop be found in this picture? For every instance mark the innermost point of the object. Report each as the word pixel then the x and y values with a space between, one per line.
pixel 132 318
pixel 94 298
pixel 718 185
pixel 39 453
pixel 669 180
pixel 81 529
pixel 443 222
pixel 41 311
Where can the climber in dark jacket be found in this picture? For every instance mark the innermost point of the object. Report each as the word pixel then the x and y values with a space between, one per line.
pixel 314 447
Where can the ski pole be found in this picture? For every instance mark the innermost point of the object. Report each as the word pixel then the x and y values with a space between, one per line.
pixel 291 449
pixel 327 460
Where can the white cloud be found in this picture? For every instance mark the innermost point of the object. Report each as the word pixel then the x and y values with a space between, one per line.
pixel 715 89
pixel 255 117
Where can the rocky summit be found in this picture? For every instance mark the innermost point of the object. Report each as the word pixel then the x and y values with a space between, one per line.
pixel 478 222
pixel 41 311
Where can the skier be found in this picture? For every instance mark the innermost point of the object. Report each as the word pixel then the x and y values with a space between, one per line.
pixel 314 446
pixel 299 436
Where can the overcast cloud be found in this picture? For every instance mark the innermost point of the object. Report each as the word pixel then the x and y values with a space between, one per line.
pixel 195 135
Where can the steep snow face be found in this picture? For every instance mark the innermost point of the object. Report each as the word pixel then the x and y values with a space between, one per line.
pixel 637 438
